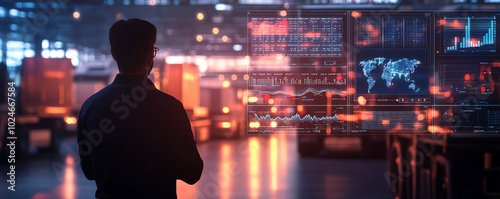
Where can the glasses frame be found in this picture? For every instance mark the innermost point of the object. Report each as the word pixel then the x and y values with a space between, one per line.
pixel 155 50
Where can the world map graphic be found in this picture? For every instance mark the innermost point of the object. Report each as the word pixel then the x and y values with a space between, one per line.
pixel 402 68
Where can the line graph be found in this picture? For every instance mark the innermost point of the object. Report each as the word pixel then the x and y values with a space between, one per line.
pixel 303 92
pixel 296 118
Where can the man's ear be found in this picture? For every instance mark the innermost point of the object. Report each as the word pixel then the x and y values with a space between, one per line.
pixel 111 51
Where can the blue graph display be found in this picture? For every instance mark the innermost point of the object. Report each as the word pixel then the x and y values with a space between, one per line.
pixel 469 34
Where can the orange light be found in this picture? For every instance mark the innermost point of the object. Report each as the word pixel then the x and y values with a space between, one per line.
pixel 254 125
pixel 76 15
pixel 215 30
pixel 200 16
pixel 234 77
pixel 199 38
pixel 386 122
pixel 437 129
pixel 274 109
pixel 356 14
pixel 253 99
pixel 225 38
pixel 447 94
pixel 245 77
pixel 361 100
pixel 420 117
pixel 270 101
pixel 274 124
pixel 300 108
pixel 467 77
pixel 221 77
pixel 225 125
pixel 283 13
pixel 225 110
pixel 226 84
pixel 56 110
pixel 70 120
pixel 351 91
pixel 54 74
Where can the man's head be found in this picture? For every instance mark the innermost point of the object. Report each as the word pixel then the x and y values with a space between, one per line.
pixel 132 43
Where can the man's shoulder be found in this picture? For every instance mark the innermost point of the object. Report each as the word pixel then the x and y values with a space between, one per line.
pixel 167 97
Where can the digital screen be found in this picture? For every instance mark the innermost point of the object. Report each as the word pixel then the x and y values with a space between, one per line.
pixel 467 33
pixel 297 119
pixel 296 36
pixel 382 73
pixel 305 39
pixel 392 58
pixel 305 87
pixel 389 72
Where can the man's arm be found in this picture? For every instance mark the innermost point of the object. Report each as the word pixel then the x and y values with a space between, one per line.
pixel 83 149
pixel 190 165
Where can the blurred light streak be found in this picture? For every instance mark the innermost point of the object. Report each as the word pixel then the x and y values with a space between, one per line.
pixel 226 180
pixel 348 117
pixel 437 129
pixel 273 164
pixel 255 180
pixel 68 186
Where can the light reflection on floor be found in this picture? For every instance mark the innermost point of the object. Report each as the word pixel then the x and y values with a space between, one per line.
pixel 255 167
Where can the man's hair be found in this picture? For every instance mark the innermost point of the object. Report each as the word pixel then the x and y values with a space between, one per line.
pixel 131 41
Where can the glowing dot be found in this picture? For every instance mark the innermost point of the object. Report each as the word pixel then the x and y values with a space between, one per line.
pixel 300 108
pixel 253 99
pixel 467 77
pixel 76 15
pixel 270 101
pixel 221 77
pixel 362 100
pixel 274 109
pixel 200 16
pixel 225 109
pixel 226 84
pixel 356 14
pixel 274 124
pixel 245 77
pixel 215 30
pixel 225 38
pixel 283 13
pixel 234 77
pixel 420 117
pixel 199 38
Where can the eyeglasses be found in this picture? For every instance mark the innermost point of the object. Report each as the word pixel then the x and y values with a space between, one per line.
pixel 155 50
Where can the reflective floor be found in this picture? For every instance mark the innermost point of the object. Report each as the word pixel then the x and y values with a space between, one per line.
pixel 255 167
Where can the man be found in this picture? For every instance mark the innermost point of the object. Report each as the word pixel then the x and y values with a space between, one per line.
pixel 133 139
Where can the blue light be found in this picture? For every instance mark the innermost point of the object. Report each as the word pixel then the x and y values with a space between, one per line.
pixel 13 12
pixel 13 27
pixel 2 12
pixel 237 47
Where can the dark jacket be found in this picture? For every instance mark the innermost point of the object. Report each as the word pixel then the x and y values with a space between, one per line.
pixel 135 141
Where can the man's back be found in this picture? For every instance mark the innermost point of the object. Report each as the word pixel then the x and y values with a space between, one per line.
pixel 135 141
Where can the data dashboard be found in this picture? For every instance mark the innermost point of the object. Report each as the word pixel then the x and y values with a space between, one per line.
pixel 373 72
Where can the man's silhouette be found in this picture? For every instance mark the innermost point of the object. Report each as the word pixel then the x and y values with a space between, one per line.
pixel 133 139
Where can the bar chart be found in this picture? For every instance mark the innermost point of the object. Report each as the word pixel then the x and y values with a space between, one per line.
pixel 469 34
